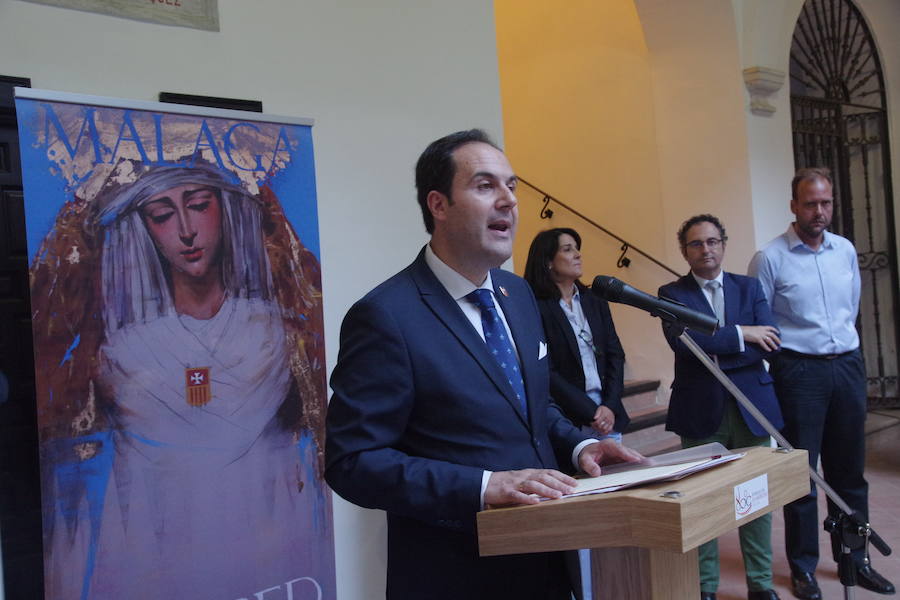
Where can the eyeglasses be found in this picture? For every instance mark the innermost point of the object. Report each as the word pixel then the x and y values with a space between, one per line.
pixel 588 339
pixel 712 243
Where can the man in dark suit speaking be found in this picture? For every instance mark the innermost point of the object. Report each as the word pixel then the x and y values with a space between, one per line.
pixel 700 409
pixel 441 393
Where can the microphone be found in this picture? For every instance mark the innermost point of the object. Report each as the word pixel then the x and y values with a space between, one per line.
pixel 615 290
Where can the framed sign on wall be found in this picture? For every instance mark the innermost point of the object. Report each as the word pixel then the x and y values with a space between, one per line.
pixel 198 14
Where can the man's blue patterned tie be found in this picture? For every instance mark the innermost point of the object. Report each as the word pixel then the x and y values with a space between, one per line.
pixel 499 344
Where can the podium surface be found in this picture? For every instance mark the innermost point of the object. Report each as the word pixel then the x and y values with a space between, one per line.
pixel 650 536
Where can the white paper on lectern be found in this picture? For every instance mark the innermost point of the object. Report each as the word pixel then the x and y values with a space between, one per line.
pixel 665 467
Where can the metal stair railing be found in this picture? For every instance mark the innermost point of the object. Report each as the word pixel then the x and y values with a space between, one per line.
pixel 623 261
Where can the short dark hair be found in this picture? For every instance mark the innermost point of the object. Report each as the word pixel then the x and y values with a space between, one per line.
pixel 543 249
pixel 704 218
pixel 436 167
pixel 809 174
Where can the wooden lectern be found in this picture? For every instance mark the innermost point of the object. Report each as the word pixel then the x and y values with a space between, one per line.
pixel 645 539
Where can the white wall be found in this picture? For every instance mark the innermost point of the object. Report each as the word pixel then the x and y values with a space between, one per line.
pixel 381 79
pixel 766 28
pixel 701 133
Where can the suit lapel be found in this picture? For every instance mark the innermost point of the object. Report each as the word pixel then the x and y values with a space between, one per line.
pixel 696 299
pixel 445 308
pixel 732 298
pixel 563 321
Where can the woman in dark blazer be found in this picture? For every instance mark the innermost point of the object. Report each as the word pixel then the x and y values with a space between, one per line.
pixel 580 334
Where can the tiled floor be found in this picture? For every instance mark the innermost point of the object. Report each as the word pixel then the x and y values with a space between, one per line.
pixel 883 474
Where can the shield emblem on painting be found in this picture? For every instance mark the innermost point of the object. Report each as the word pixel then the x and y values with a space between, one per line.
pixel 197 386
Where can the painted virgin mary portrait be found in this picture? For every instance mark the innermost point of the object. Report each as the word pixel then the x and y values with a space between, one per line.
pixel 182 393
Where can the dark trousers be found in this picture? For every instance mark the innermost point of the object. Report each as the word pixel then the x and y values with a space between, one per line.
pixel 426 562
pixel 824 407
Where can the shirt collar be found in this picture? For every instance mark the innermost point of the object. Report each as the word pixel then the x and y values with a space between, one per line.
pixel 576 299
pixel 795 242
pixel 702 282
pixel 456 285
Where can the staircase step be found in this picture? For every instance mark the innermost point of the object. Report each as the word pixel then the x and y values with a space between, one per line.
pixel 641 395
pixel 637 386
pixel 646 416
pixel 651 441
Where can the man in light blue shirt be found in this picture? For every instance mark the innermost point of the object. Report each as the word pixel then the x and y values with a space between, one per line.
pixel 811 280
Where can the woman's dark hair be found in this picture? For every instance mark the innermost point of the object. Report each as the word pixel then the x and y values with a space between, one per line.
pixel 543 250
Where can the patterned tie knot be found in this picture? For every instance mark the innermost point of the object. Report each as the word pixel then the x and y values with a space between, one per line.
pixel 484 300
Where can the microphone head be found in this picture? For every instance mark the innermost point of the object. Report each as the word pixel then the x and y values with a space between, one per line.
pixel 608 287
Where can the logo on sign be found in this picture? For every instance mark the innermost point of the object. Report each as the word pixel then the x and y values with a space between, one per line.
pixel 743 502
pixel 751 496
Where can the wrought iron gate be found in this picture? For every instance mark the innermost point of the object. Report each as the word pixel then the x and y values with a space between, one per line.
pixel 839 120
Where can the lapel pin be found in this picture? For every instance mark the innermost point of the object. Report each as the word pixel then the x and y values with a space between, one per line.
pixel 503 291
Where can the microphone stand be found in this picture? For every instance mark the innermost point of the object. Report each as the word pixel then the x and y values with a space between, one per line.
pixel 848 528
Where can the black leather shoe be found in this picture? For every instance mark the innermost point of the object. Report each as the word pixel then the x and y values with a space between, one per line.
pixel 707 596
pixel 805 586
pixel 867 577
pixel 763 595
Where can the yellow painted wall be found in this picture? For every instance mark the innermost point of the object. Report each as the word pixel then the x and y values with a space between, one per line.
pixel 633 112
pixel 578 118
pixel 578 109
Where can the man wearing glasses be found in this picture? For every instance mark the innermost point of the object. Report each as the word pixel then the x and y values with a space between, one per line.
pixel 700 409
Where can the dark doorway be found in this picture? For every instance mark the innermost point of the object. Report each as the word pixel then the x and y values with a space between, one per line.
pixel 20 494
pixel 840 121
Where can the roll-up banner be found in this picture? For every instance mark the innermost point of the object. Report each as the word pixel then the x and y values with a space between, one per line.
pixel 178 337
